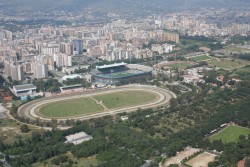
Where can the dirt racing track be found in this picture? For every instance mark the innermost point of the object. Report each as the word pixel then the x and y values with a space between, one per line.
pixel 31 110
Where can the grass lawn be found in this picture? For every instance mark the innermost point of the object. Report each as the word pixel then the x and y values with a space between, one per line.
pixel 230 134
pixel 201 58
pixel 69 108
pixel 191 42
pixel 234 48
pixel 125 98
pixel 244 70
pixel 10 131
pixel 181 65
pixel 229 63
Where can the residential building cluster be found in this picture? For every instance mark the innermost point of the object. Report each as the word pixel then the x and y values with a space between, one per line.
pixel 38 50
pixel 207 22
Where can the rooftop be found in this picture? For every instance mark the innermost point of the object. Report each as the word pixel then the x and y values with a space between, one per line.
pixel 78 138
pixel 111 65
pixel 24 87
pixel 72 76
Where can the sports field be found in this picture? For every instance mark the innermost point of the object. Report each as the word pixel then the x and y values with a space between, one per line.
pixel 180 65
pixel 229 64
pixel 201 58
pixel 230 134
pixel 201 160
pixel 180 156
pixel 98 103
pixel 121 74
pixel 244 70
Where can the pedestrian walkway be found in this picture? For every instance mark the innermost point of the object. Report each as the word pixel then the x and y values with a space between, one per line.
pixel 100 103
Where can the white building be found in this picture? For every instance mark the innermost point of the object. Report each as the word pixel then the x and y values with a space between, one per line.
pixel 8 34
pixel 40 71
pixel 78 138
pixel 24 90
pixel 157 48
pixel 17 72
pixel 167 48
pixel 2 35
pixel 62 60
pixel 50 49
pixel 73 76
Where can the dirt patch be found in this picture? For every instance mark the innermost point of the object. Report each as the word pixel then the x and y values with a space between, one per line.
pixel 6 129
pixel 180 156
pixel 202 160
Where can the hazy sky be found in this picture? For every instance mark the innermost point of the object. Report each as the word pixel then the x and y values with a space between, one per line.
pixel 115 4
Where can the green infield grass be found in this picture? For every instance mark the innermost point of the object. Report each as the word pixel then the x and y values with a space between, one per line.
pixel 230 134
pixel 201 58
pixel 125 98
pixel 70 108
pixel 85 106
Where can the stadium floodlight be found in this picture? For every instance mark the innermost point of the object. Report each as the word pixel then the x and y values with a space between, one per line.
pixel 111 72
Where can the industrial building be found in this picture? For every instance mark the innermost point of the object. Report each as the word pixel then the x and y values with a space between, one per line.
pixel 25 90
pixel 78 138
pixel 73 76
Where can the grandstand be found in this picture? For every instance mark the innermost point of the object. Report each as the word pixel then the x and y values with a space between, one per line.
pixel 71 88
pixel 120 71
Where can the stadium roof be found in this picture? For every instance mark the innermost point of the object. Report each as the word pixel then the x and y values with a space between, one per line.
pixel 24 87
pixel 111 65
pixel 78 138
pixel 71 86
pixel 73 76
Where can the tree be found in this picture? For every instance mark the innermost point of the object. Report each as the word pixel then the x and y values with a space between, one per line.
pixel 7 158
pixel 173 104
pixel 173 165
pixel 45 163
pixel 24 128
pixel 28 98
pixel 60 159
pixel 14 108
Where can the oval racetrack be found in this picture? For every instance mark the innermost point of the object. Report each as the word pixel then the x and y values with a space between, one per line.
pixel 31 110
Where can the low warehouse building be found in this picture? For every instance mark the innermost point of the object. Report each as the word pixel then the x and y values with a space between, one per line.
pixel 25 90
pixel 78 138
